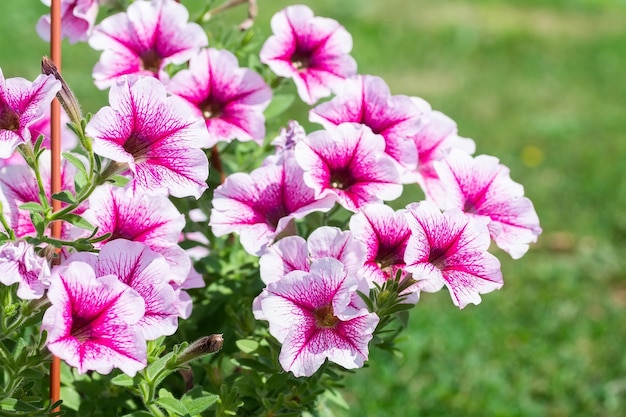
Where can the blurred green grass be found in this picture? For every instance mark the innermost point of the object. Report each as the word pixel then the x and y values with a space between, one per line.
pixel 541 85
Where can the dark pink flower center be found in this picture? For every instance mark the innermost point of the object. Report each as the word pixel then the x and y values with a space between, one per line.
pixel 301 59
pixel 341 179
pixel 390 255
pixel 137 146
pixel 211 108
pixel 9 119
pixel 437 257
pixel 325 317
pixel 273 216
pixel 81 329
pixel 151 61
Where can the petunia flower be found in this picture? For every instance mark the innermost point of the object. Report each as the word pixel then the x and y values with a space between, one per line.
pixel 155 135
pixel 22 103
pixel 150 219
pixel 18 185
pixel 142 41
pixel 450 249
pixel 482 187
pixel 230 99
pixel 435 139
pixel 20 264
pixel 293 253
pixel 77 20
pixel 349 163
pixel 145 271
pixel 259 206
pixel 385 234
pixel 366 99
pixel 91 322
pixel 317 316
pixel 312 50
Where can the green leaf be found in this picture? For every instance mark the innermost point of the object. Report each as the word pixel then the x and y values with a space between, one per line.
pixel 172 405
pixel 198 405
pixel 118 180
pixel 246 345
pixel 64 196
pixel 139 413
pixel 157 370
pixel 38 222
pixel 280 103
pixel 124 380
pixel 78 221
pixel 71 398
pixel 76 161
pixel 32 207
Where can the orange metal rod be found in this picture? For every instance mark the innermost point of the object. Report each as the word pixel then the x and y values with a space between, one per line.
pixel 55 155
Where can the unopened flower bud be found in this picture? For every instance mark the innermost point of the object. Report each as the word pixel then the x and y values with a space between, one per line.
pixel 65 95
pixel 203 346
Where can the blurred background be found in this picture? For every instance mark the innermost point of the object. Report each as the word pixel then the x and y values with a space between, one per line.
pixel 542 86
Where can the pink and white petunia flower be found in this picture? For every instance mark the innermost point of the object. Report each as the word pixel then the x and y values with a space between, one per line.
pixel 20 264
pixel 77 20
pixel 317 316
pixel 69 140
pixel 259 206
pixel 435 139
pixel 230 99
pixel 293 253
pixel 18 185
pixel 150 219
pixel 366 99
pixel 142 41
pixel 349 163
pixel 145 271
pixel 22 103
pixel 91 323
pixel 313 50
pixel 450 249
pixel 482 187
pixel 385 234
pixel 155 135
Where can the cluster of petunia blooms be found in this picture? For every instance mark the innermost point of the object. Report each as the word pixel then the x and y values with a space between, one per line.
pixel 120 277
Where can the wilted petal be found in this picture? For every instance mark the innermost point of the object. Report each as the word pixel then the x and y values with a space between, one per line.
pixel 20 264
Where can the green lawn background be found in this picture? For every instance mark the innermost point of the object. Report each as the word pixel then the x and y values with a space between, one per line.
pixel 542 86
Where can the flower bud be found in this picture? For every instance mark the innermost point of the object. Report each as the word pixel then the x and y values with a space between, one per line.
pixel 65 95
pixel 203 346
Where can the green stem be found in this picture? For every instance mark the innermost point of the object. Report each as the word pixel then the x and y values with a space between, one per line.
pixel 33 162
pixel 5 224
